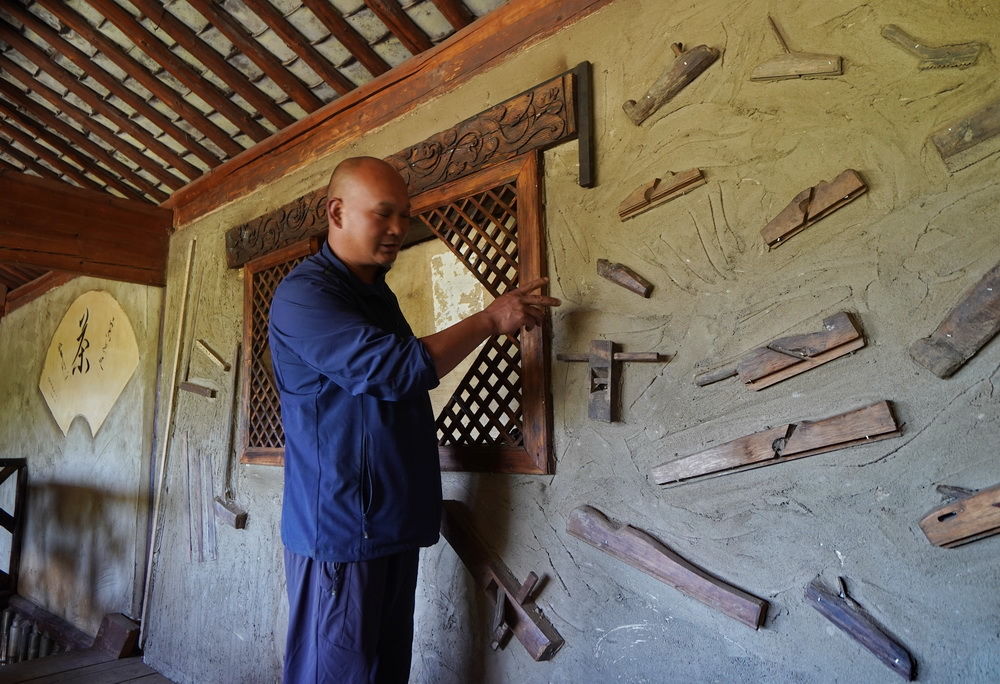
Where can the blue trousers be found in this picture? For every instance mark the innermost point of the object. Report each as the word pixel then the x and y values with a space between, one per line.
pixel 350 623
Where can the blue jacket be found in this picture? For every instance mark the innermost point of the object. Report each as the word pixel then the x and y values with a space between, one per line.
pixel 362 477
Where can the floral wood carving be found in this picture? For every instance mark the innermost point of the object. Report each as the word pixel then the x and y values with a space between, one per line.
pixel 548 114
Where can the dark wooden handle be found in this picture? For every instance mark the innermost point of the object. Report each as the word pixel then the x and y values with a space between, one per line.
pixel 860 627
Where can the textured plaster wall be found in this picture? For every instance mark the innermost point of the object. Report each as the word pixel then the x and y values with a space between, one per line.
pixel 84 538
pixel 897 257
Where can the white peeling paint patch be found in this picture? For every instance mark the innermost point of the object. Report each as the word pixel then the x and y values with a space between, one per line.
pixel 840 556
pixel 456 292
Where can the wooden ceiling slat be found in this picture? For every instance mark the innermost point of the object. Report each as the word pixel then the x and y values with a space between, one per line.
pixel 88 122
pixel 43 152
pixel 66 150
pixel 199 85
pixel 130 66
pixel 215 62
pixel 267 62
pixel 455 11
pixel 98 73
pixel 26 161
pixel 41 115
pixel 111 137
pixel 399 23
pixel 298 43
pixel 348 36
pixel 138 255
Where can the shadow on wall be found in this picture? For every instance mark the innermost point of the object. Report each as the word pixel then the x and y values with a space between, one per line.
pixel 79 550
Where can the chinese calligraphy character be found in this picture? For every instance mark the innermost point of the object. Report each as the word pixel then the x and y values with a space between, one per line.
pixel 80 363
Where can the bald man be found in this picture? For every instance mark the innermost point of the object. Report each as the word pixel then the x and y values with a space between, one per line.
pixel 362 481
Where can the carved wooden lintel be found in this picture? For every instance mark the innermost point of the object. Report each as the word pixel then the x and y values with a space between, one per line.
pixel 546 115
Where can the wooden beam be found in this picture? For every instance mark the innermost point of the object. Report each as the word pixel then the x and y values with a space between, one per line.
pixel 39 113
pixel 348 36
pixel 400 25
pixel 300 45
pixel 3 300
pixel 84 62
pixel 133 68
pixel 88 122
pixel 215 62
pixel 500 33
pixel 28 292
pixel 268 63
pixel 40 224
pixel 53 159
pixel 40 129
pixel 455 11
pixel 199 85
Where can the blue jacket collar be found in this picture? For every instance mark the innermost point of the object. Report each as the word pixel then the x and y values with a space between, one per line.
pixel 334 263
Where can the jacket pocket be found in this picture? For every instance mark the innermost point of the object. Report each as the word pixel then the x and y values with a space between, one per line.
pixel 367 485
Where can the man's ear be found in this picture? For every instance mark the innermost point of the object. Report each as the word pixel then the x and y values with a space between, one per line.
pixel 334 212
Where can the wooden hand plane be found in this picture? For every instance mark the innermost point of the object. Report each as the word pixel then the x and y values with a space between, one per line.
pixel 686 67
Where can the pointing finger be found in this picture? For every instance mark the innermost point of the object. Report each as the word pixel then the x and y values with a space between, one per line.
pixel 529 286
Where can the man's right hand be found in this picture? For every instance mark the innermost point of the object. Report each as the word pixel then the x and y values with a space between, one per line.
pixel 517 308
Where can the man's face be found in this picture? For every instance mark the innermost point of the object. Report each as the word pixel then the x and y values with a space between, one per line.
pixel 370 218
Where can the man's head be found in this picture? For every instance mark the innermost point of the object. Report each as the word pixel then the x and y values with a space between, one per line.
pixel 368 214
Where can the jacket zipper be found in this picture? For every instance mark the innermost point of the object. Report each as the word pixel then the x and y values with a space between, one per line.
pixel 365 476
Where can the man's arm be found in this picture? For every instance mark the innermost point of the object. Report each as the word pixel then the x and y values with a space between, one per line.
pixel 507 314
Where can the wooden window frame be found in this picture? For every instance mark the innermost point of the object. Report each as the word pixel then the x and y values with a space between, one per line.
pixel 535 457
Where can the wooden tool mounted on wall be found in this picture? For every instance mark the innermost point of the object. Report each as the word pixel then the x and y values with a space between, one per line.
pixel 959 55
pixel 972 516
pixel 620 274
pixel 687 66
pixel 517 610
pixel 847 615
pixel 786 357
pixel 973 322
pixel 813 204
pixel 660 191
pixel 605 373
pixel 795 64
pixel 970 139
pixel 783 443
pixel 638 549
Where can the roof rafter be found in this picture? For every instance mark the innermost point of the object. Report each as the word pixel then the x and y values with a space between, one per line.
pixel 87 121
pixel 40 114
pixel 267 62
pixel 215 62
pixel 455 11
pixel 26 161
pixel 99 74
pixel 348 36
pixel 198 84
pixel 299 44
pixel 399 23
pixel 52 158
pixel 130 66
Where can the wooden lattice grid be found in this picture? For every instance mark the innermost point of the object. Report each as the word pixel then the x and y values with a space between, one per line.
pixel 481 230
pixel 486 406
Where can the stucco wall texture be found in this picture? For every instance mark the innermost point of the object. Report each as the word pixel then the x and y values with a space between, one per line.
pixel 85 531
pixel 897 258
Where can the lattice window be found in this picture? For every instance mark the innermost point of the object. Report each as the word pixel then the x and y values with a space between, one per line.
pixel 264 437
pixel 499 417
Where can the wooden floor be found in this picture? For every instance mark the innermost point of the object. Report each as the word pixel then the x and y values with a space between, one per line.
pixel 82 667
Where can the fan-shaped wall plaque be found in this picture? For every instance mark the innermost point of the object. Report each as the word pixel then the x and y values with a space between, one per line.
pixel 91 358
